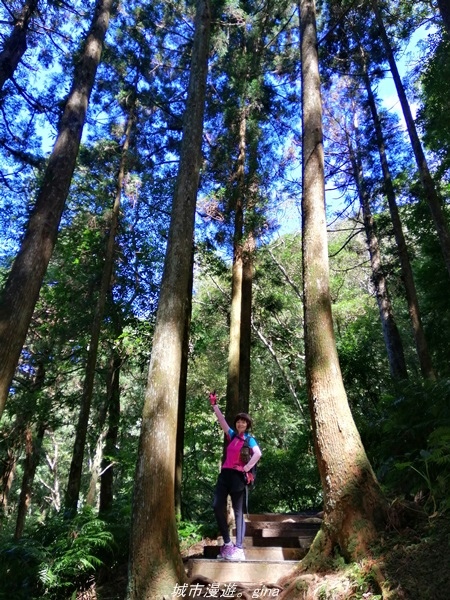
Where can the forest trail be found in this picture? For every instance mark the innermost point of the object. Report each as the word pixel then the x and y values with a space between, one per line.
pixel 274 543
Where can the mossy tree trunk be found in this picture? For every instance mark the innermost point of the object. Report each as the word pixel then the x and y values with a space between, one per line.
pixel 353 502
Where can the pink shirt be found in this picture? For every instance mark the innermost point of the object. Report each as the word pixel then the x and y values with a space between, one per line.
pixel 233 451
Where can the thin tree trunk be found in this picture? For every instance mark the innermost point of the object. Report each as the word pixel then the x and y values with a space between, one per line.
pixel 8 462
pixel 96 462
pixel 444 9
pixel 110 450
pixel 352 497
pixel 431 194
pixel 76 467
pixel 8 471
pixel 233 405
pixel 52 464
pixel 91 494
pixel 32 458
pixel 423 353
pixel 391 335
pixel 155 562
pixel 21 291
pixel 16 44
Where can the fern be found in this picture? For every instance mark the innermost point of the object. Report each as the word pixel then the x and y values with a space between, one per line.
pixel 75 555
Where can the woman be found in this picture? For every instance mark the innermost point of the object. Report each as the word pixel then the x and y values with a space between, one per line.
pixel 232 479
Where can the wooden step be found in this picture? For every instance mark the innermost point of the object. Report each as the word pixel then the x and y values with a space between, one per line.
pixel 261 552
pixel 267 529
pixel 285 517
pixel 284 541
pixel 225 571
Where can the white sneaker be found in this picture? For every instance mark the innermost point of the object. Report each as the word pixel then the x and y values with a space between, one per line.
pixel 236 554
pixel 225 551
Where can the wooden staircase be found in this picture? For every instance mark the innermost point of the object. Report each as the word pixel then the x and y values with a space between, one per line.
pixel 273 545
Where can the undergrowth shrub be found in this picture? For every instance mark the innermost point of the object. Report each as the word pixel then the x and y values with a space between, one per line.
pixel 413 450
pixel 57 558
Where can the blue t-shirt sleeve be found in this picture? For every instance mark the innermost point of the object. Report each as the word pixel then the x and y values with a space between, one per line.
pixel 252 442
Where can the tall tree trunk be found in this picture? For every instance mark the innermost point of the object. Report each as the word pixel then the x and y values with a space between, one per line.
pixel 76 467
pixel 107 468
pixel 183 395
pixel 16 44
pixel 155 563
pixel 444 9
pixel 431 195
pixel 32 458
pixel 353 505
pixel 391 335
pixel 426 365
pixel 233 405
pixel 21 291
pixel 246 320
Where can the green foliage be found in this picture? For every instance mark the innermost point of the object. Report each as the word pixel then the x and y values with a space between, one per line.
pixel 434 115
pixel 190 532
pixel 412 453
pixel 57 558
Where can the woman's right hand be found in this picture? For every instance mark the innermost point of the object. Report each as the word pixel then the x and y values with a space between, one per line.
pixel 213 398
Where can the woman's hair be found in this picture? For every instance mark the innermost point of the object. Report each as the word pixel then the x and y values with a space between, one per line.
pixel 244 417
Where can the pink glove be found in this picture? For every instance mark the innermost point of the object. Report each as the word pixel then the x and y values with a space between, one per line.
pixel 212 398
pixel 249 479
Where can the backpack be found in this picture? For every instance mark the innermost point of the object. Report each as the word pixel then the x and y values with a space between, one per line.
pixel 245 455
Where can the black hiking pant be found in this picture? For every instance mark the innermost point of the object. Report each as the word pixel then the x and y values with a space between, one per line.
pixel 230 483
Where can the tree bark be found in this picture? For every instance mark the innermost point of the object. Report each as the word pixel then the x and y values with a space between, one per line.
pixel 353 504
pixel 426 365
pixel 181 419
pixel 246 320
pixel 155 564
pixel 76 467
pixel 32 458
pixel 391 335
pixel 233 405
pixel 16 44
pixel 22 287
pixel 431 194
